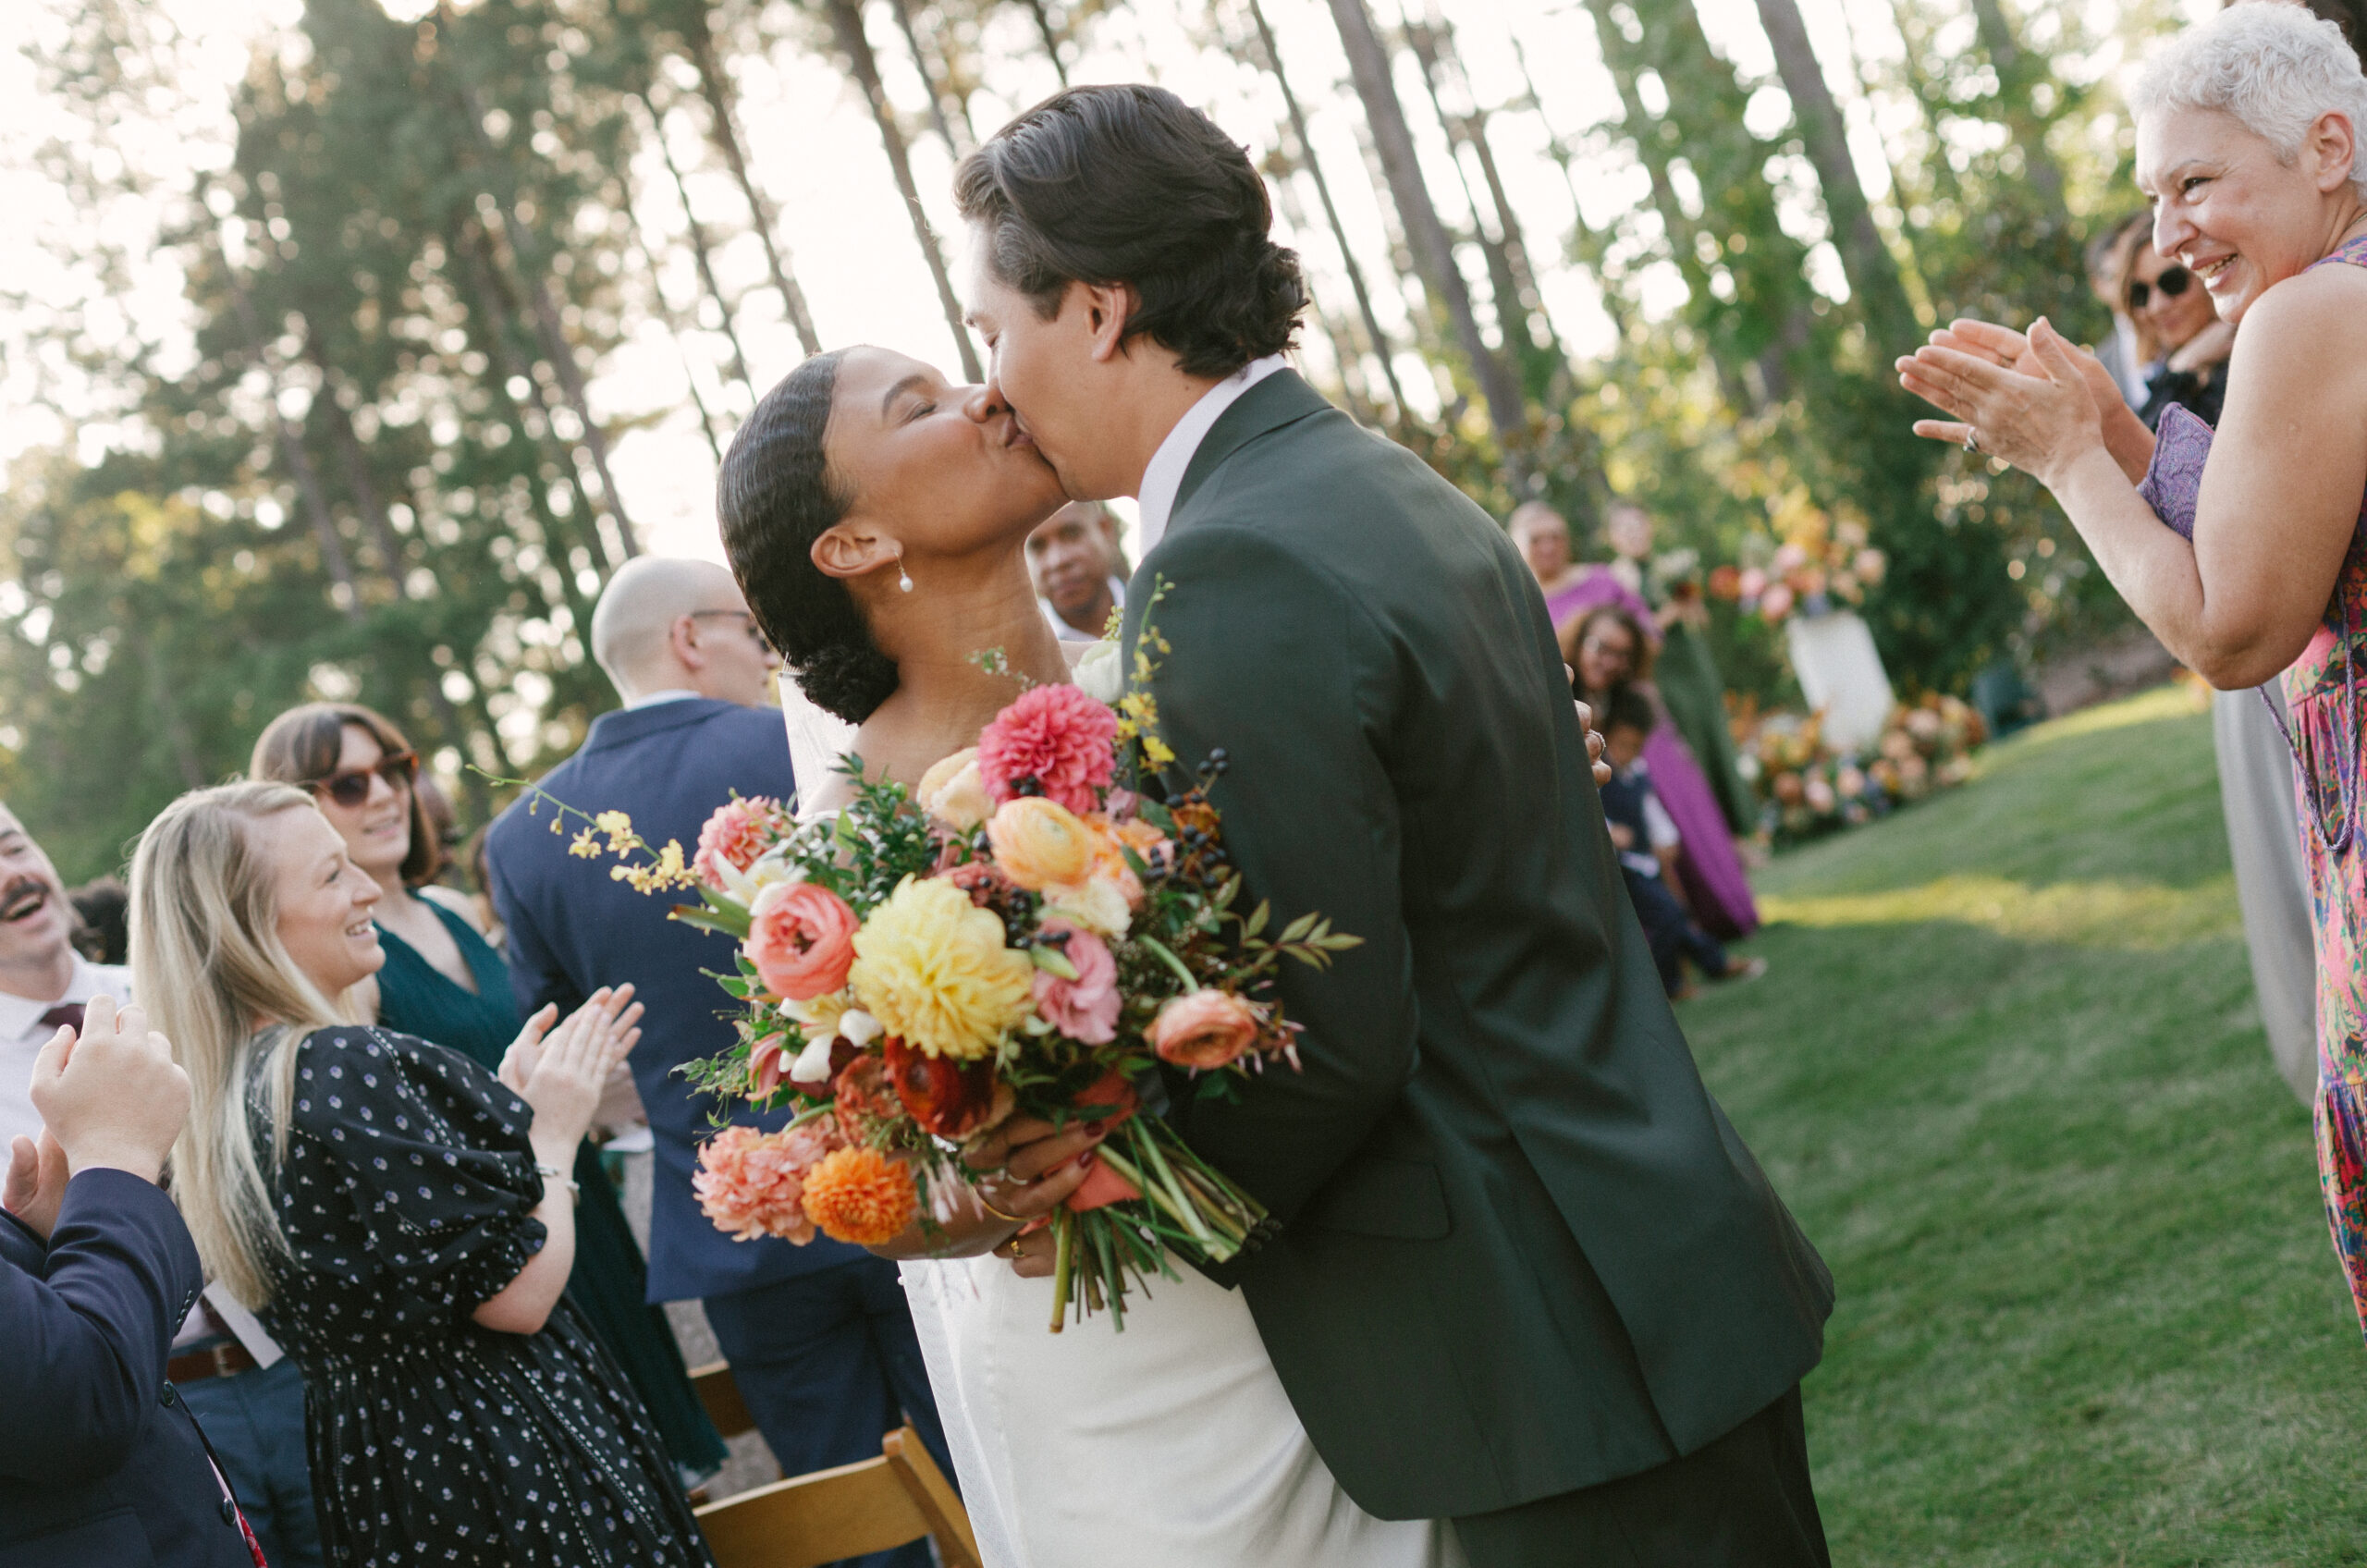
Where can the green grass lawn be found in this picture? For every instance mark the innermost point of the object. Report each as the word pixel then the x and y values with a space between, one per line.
pixel 2008 1070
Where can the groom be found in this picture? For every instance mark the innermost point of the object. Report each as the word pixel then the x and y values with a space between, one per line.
pixel 1527 1277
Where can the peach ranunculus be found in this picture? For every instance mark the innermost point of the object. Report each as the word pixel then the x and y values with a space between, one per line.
pixel 1040 843
pixel 1206 1029
pixel 1083 1009
pixel 953 793
pixel 801 938
pixel 752 1183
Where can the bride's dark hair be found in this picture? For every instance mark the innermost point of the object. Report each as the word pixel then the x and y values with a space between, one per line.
pixel 773 498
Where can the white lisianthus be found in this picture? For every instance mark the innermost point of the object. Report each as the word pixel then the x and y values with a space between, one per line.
pixel 774 866
pixel 859 1028
pixel 813 1064
pixel 1101 673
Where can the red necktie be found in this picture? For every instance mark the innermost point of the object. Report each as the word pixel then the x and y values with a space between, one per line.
pixel 67 1013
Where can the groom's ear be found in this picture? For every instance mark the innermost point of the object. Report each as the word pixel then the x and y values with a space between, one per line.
pixel 1108 308
pixel 850 550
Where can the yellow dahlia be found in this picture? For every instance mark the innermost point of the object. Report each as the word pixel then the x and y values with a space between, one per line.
pixel 860 1196
pixel 932 968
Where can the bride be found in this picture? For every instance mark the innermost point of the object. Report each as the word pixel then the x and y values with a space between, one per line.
pixel 877 519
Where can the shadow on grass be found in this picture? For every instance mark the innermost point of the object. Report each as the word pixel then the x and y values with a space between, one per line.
pixel 2007 1069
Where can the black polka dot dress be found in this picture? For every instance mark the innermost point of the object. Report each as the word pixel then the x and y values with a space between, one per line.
pixel 406 1194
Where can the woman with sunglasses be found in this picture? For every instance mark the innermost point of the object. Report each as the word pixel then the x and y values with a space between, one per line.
pixel 443 981
pixel 2181 340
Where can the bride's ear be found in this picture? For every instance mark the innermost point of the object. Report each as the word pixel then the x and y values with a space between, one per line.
pixel 849 550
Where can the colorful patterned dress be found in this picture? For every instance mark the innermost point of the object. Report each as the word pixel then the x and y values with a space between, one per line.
pixel 2328 693
pixel 2329 704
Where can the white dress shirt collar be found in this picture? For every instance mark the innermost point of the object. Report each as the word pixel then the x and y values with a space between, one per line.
pixel 1164 476
pixel 651 699
pixel 23 1036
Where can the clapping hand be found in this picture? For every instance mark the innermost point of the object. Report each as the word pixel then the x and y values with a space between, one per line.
pixel 110 1095
pixel 560 1071
pixel 2033 400
pixel 35 1184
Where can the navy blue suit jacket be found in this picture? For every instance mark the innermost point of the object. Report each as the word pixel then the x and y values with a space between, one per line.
pixel 101 1465
pixel 574 930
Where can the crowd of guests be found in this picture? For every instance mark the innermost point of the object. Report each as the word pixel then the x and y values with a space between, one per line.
pixel 392 1298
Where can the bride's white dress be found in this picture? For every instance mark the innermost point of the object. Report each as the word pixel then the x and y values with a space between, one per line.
pixel 1170 1445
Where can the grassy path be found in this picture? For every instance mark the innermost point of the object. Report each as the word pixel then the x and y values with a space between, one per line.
pixel 2008 1070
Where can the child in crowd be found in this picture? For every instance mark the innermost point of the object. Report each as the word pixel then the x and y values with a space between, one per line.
pixel 1646 841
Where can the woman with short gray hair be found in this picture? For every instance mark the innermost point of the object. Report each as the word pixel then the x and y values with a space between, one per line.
pixel 2245 549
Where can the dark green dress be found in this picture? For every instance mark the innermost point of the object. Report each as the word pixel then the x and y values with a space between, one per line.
pixel 611 1279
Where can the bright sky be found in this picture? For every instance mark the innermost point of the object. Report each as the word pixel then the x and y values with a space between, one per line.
pixel 818 155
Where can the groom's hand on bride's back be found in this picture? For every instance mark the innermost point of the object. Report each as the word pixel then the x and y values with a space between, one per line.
pixel 1595 743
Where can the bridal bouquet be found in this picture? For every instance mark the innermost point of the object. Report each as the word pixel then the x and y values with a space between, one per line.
pixel 1020 934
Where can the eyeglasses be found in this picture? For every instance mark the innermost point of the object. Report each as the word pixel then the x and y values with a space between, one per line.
pixel 2172 283
pixel 352 787
pixel 747 622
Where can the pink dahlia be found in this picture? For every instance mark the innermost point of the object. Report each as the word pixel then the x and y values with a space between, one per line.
pixel 739 830
pixel 753 1183
pixel 1059 739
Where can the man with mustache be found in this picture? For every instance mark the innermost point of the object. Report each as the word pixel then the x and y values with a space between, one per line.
pixel 43 982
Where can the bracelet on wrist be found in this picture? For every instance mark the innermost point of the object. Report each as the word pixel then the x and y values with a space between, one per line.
pixel 986 1203
pixel 557 1174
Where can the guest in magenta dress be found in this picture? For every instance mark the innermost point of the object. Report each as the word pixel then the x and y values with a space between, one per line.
pixel 1609 645
pixel 2244 551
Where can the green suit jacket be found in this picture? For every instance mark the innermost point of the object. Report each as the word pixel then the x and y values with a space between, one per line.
pixel 1521 1250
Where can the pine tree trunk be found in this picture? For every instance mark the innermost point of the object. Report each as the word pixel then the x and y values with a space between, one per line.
pixel 526 254
pixel 702 251
pixel 1045 30
pixel 1871 270
pixel 935 71
pixel 2016 71
pixel 1305 160
pixel 846 24
pixel 1427 237
pixel 1584 237
pixel 723 130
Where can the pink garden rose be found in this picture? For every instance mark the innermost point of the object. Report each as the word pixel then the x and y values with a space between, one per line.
pixel 738 832
pixel 1057 737
pixel 801 937
pixel 753 1183
pixel 1085 1008
pixel 1206 1029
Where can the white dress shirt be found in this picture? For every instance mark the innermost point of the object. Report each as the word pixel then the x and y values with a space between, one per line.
pixel 1068 634
pixel 1164 476
pixel 22 1034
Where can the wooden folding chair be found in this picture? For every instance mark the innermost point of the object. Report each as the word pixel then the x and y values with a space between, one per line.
pixel 716 1391
pixel 854 1509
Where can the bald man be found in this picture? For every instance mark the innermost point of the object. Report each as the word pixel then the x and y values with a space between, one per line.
pixel 819 1338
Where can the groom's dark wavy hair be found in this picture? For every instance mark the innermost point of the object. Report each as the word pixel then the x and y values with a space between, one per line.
pixel 773 498
pixel 1131 185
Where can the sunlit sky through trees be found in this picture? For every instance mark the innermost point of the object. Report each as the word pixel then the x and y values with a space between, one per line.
pixel 820 157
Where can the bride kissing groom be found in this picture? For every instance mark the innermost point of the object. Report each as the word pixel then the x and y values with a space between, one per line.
pixel 1527 1299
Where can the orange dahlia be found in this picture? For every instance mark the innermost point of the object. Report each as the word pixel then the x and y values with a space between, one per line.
pixel 861 1195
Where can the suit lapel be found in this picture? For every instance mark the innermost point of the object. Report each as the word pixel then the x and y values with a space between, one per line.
pixel 1282 398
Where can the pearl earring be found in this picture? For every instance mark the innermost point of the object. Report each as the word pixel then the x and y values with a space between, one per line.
pixel 903 577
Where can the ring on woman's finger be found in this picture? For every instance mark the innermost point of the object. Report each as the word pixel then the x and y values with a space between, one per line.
pixel 1008 1247
pixel 1971 439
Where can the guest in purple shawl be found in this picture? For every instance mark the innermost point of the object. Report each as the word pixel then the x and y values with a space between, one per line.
pixel 1608 646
